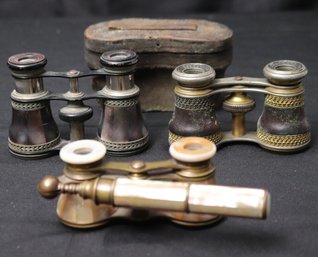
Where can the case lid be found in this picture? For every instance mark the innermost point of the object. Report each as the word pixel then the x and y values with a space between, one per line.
pixel 159 35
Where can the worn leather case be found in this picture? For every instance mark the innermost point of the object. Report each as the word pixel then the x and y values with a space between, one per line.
pixel 161 45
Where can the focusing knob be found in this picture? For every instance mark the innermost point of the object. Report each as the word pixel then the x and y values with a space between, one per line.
pixel 75 112
pixel 239 102
pixel 48 187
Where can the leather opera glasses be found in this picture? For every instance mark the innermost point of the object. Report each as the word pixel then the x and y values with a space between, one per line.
pixel 282 126
pixel 93 191
pixel 33 132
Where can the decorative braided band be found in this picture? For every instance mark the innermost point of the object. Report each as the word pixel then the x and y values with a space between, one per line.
pixel 285 102
pixel 125 146
pixel 283 141
pixel 122 103
pixel 194 104
pixel 32 149
pixel 27 106
pixel 215 138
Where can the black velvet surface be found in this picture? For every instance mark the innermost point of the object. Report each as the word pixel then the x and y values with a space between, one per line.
pixel 28 223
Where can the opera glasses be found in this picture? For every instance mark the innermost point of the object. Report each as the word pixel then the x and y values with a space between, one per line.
pixel 93 191
pixel 282 126
pixel 33 132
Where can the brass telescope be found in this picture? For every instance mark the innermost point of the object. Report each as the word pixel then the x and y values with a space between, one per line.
pixel 93 191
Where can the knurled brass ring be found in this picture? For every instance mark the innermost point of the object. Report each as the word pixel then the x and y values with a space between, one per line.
pixel 285 72
pixel 193 74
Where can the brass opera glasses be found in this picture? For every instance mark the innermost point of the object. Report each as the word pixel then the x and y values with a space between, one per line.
pixel 33 132
pixel 93 191
pixel 282 126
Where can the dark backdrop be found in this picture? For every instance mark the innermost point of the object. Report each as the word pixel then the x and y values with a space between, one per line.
pixel 28 223
pixel 161 8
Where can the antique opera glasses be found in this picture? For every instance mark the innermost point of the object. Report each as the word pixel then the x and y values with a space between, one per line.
pixel 33 132
pixel 93 191
pixel 282 126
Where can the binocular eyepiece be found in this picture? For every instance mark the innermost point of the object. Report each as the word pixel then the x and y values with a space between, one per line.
pixel 33 132
pixel 282 126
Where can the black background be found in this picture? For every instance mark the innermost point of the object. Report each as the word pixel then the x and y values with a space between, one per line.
pixel 127 8
pixel 28 223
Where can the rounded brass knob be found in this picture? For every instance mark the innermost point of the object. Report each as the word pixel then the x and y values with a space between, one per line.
pixel 48 187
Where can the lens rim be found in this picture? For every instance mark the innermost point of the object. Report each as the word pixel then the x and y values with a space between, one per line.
pixel 27 61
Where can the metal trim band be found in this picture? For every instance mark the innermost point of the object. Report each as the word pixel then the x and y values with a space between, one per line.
pixel 215 138
pixel 30 149
pixel 122 103
pixel 194 104
pixel 285 102
pixel 283 141
pixel 28 97
pixel 27 106
pixel 125 146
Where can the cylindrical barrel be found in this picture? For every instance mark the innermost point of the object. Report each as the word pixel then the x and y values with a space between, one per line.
pixel 194 113
pixel 33 131
pixel 185 197
pixel 283 125
pixel 122 127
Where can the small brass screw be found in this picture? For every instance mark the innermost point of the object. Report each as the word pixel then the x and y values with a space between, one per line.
pixel 238 78
pixel 138 165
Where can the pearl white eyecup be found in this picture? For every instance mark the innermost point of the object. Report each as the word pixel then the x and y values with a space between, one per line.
pixel 192 149
pixel 83 152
